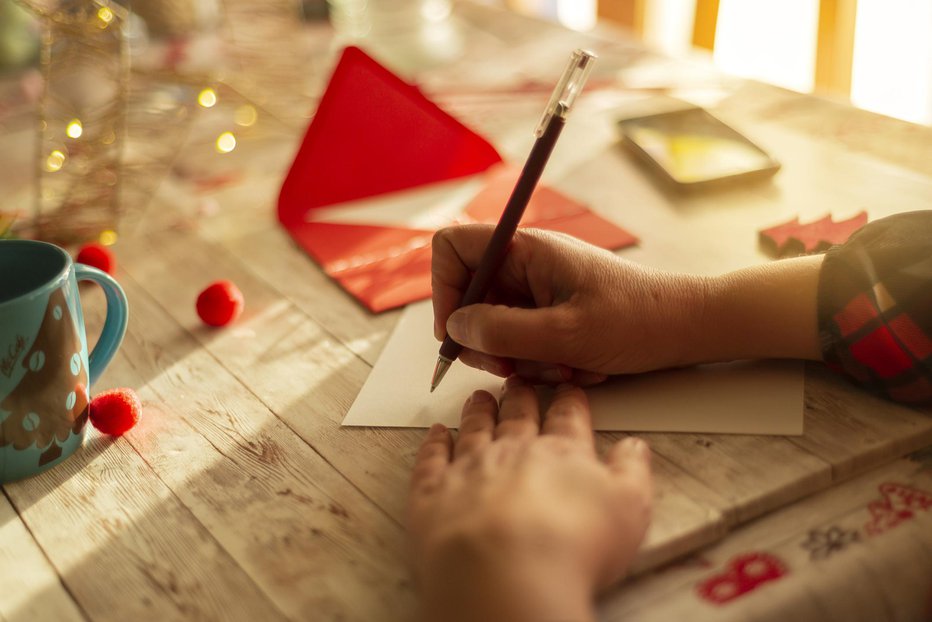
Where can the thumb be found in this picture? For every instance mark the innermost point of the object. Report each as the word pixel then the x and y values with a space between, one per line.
pixel 512 332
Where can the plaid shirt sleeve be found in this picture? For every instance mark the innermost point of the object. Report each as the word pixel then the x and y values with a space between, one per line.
pixel 875 307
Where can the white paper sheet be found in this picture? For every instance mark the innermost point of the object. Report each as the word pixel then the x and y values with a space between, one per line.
pixel 431 206
pixel 764 397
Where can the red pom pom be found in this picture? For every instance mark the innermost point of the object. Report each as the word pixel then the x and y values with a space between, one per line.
pixel 97 256
pixel 116 411
pixel 220 303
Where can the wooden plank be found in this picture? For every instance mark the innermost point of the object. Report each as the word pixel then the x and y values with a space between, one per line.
pixel 32 589
pixel 830 122
pixel 125 547
pixel 297 527
pixel 754 474
pixel 300 280
pixel 854 430
pixel 270 346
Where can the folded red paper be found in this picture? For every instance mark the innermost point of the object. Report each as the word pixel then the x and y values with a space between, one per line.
pixel 374 134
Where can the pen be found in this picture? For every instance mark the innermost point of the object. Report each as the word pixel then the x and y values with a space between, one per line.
pixel 547 132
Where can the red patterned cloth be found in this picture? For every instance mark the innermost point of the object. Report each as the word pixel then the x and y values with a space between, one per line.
pixel 875 307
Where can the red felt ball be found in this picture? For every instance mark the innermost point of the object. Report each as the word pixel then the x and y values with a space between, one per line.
pixel 115 411
pixel 97 256
pixel 220 303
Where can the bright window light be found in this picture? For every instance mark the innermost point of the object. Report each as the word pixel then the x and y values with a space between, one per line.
pixel 770 41
pixel 892 71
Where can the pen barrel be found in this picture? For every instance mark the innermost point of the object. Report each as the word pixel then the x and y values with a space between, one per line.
pixel 495 252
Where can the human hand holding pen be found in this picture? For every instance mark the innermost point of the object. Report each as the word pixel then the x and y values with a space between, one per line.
pixel 548 131
pixel 561 310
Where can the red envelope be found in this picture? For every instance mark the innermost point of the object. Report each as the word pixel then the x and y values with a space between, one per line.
pixel 375 134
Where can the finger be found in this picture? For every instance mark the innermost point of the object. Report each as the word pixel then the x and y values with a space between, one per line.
pixel 518 412
pixel 455 254
pixel 497 365
pixel 568 415
pixel 631 457
pixel 477 424
pixel 514 332
pixel 433 457
pixel 536 372
pixel 584 378
pixel 629 461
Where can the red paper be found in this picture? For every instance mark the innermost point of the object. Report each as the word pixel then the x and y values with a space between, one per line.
pixel 793 238
pixel 374 134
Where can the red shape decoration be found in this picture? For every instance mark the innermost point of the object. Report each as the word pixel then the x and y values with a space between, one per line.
pixel 220 303
pixel 795 238
pixel 97 256
pixel 742 574
pixel 899 504
pixel 115 412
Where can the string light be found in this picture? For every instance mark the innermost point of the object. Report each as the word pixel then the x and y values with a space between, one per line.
pixel 55 161
pixel 105 15
pixel 74 129
pixel 226 142
pixel 207 98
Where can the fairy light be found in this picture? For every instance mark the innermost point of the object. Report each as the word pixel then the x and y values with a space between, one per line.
pixel 105 15
pixel 245 115
pixel 74 129
pixel 108 237
pixel 55 161
pixel 207 98
pixel 226 142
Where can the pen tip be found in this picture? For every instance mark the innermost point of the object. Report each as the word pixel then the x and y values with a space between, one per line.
pixel 440 370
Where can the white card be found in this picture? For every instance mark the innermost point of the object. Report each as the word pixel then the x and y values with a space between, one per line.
pixel 760 397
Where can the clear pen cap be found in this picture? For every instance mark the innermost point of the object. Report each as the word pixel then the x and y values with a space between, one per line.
pixel 568 88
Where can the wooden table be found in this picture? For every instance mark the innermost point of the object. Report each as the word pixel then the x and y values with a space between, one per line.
pixel 239 496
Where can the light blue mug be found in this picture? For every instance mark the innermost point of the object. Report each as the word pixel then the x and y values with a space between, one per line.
pixel 45 371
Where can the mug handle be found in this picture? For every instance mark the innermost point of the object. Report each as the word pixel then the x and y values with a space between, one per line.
pixel 114 326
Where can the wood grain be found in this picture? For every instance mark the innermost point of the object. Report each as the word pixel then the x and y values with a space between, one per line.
pixel 125 546
pixel 239 496
pixel 33 588
pixel 853 430
pixel 299 372
pixel 306 537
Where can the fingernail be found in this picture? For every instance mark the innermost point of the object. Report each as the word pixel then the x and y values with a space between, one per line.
pixel 478 397
pixel 437 429
pixel 636 447
pixel 554 375
pixel 456 327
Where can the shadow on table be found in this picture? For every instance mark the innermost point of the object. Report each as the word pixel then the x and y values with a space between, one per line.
pixel 214 507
